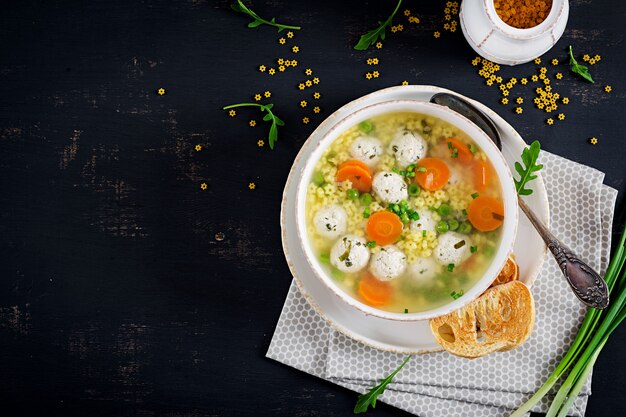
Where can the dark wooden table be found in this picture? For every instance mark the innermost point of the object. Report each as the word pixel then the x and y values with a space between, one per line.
pixel 115 296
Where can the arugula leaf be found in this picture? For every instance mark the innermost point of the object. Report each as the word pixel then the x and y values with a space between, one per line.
pixel 371 37
pixel 239 7
pixel 269 116
pixel 581 70
pixel 526 172
pixel 369 398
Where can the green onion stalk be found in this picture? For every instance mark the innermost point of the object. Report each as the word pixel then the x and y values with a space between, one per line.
pixel 594 332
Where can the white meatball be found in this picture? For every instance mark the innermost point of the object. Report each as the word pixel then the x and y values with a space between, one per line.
pixel 330 221
pixel 388 264
pixel 424 269
pixel 367 149
pixel 349 254
pixel 390 187
pixel 408 147
pixel 425 222
pixel 452 248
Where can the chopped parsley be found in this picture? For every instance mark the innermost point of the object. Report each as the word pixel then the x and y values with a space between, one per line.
pixel 406 311
pixel 474 195
pixel 455 295
pixel 450 267
pixel 371 244
pixel 473 249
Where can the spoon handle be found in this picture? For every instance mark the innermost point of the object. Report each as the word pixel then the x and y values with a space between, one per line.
pixel 588 286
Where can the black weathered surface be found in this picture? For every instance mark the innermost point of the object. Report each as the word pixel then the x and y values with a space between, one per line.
pixel 114 297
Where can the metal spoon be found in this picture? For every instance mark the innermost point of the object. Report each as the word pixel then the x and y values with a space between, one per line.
pixel 588 286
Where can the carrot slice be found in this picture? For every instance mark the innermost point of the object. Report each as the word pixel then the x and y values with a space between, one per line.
pixel 360 178
pixel 464 155
pixel 485 213
pixel 435 176
pixel 384 227
pixel 374 292
pixel 355 162
pixel 482 175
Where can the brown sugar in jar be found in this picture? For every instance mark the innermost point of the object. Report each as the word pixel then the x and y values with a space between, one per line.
pixel 523 14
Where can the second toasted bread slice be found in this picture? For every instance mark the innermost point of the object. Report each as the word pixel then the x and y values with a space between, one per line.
pixel 500 319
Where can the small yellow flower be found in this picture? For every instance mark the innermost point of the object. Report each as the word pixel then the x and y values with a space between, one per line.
pixel 369 61
pixel 453 28
pixel 556 96
pixel 257 97
pixel 316 95
pixel 446 26
pixel 555 61
pixel 308 71
pixel 543 70
pixel 161 91
pixel 546 81
pixel 558 76
pixel 502 87
pixel 316 109
pixel 505 93
pixel 447 17
pixel 252 123
pixel 524 81
pixel 476 61
pixel 489 82
pixel 548 88
pixel 534 78
pixel 303 103
pixel 509 85
pixel 294 63
pixel 519 100
pixel 592 61
pixel 198 148
pixel 414 19
pixel 203 186
pixel 317 80
pixel 280 61
pixel 287 63
pixel 513 81
pixel 305 120
pixel 405 82
pixel 282 41
pixel 394 29
pixel 597 57
pixel 252 186
pixel 550 121
pixel 407 12
pixel 607 88
pixel 260 143
pixel 561 116
pixel 375 74
pixel 537 61
pixel 271 71
pixel 565 100
pixel 301 86
pixel 447 10
pixel 455 11
pixel 267 94
pixel 496 67
pixel 295 49
pixel 290 35
pixel 436 34
pixel 519 110
pixel 379 45
pixel 262 68
pixel 542 76
pixel 593 140
pixel 586 57
pixel 281 68
pixel 374 61
pixel 308 83
pixel 368 75
pixel 498 79
pixel 504 100
pixel 541 106
pixel 232 113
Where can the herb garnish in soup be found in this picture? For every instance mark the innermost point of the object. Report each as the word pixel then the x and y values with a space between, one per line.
pixel 405 212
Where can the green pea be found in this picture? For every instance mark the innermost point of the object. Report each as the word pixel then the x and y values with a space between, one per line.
pixel 366 199
pixel 442 226
pixel 444 210
pixel 465 228
pixel 366 126
pixel 454 224
pixel 353 194
pixel 404 217
pixel 318 179
pixel 414 190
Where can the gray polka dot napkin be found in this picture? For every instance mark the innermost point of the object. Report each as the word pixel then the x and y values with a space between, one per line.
pixel 441 384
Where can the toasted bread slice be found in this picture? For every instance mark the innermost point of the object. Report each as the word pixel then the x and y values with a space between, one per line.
pixel 500 319
pixel 509 272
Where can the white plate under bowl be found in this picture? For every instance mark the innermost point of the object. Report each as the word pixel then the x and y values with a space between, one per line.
pixel 395 336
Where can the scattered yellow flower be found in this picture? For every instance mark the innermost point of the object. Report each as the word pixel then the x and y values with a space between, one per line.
pixel 505 93
pixel 558 76
pixel 586 57
pixel 489 82
pixel 453 29
pixel 267 94
pixel 369 61
pixel 565 100
pixel 543 70
pixel 305 120
pixel 316 80
pixel 308 83
pixel 498 79
pixel 593 140
pixel 198 148
pixel 203 186
pixel 400 27
pixel 394 29
pixel 524 81
pixel 280 61
pixel 414 19
pixel 294 63
pixel 375 74
pixel 308 71
pixel 262 68
pixel 436 34
pixel 561 116
pixel 252 186
pixel 407 12
pixel 537 61
pixel 504 100
pixel 447 17
pixel 519 110
pixel 281 68
pixel 607 88
pixel 592 61
pixel 446 26
pixel 303 103
pixel 295 49
pixel 290 35
pixel 282 41
pixel 252 123
pixel 405 82
pixel 271 71
pixel 534 78
pixel 257 97
pixel 316 109
pixel 161 91
pixel 509 85
pixel 316 95
pixel 519 100
pixel 379 45
pixel 368 75
pixel 232 113
pixel 597 57
pixel 260 143
pixel 555 61
pixel 550 121
pixel 375 61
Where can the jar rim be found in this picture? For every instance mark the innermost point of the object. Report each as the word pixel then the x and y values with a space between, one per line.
pixel 548 23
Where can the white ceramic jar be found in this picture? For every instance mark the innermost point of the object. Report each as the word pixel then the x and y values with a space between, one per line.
pixel 493 39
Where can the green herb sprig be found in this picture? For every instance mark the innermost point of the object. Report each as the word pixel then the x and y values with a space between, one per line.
pixel 270 116
pixel 527 172
pixel 370 397
pixel 581 70
pixel 371 37
pixel 239 7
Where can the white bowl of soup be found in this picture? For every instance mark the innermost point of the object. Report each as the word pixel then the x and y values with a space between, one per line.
pixel 406 210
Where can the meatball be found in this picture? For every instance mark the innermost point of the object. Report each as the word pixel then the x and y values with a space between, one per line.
pixel 452 248
pixel 408 147
pixel 367 149
pixel 390 187
pixel 424 269
pixel 330 221
pixel 349 254
pixel 425 222
pixel 388 264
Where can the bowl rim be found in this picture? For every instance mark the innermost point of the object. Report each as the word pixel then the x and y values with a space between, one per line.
pixel 546 25
pixel 495 156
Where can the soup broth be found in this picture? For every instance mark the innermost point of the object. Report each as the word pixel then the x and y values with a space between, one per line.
pixel 404 211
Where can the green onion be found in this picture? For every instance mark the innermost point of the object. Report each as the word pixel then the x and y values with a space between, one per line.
pixel 442 226
pixel 592 335
pixel 473 249
pixel 464 212
pixel 465 228
pixel 366 126
pixel 394 208
pixel 406 311
pixel 453 224
pixel 404 217
pixel 421 169
pixel 474 195
pixel 414 215
pixel 450 267
pixel 366 199
pixel 455 295
pixel 444 210
pixel 352 194
pixel 370 244
pixel 318 179
pixel 423 233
